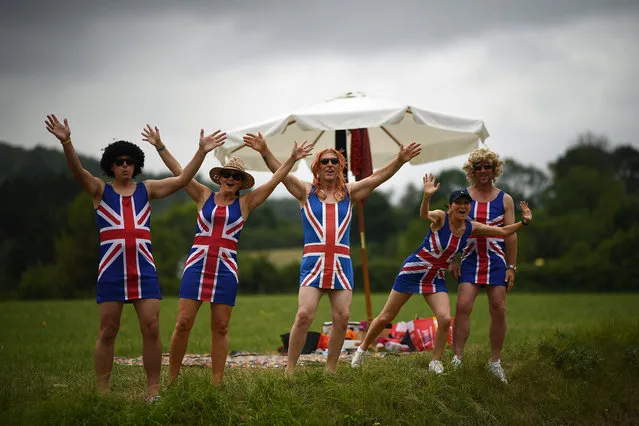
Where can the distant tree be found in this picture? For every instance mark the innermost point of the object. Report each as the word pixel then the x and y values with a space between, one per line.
pixel 626 165
pixel 523 182
pixel 590 151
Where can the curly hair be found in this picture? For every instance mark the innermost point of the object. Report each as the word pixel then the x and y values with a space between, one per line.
pixel 340 192
pixel 482 155
pixel 116 149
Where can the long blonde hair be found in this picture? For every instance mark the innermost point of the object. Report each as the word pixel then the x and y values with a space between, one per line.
pixel 482 155
pixel 341 190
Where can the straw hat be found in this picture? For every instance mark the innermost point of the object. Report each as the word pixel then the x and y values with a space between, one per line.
pixel 233 165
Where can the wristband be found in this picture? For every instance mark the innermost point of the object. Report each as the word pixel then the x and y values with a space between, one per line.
pixel 66 142
pixel 524 223
pixel 162 148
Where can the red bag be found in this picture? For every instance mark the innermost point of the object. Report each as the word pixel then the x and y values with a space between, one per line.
pixel 422 333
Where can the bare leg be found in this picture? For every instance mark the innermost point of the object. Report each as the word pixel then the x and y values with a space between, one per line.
pixel 110 313
pixel 466 295
pixel 498 326
pixel 220 318
pixel 149 317
pixel 340 312
pixel 187 310
pixel 440 305
pixel 393 304
pixel 308 300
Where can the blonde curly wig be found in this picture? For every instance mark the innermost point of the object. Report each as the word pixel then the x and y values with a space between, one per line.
pixel 483 155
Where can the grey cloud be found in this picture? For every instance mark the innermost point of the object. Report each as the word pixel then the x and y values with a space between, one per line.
pixel 55 36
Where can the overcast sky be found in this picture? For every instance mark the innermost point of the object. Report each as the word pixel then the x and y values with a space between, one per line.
pixel 537 72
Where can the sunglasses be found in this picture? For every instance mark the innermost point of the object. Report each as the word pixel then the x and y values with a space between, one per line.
pixel 325 161
pixel 235 175
pixel 120 161
pixel 478 167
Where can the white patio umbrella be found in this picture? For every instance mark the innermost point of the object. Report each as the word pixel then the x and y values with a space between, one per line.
pixel 389 124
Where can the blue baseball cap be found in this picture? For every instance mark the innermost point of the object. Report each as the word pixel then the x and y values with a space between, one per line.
pixel 459 194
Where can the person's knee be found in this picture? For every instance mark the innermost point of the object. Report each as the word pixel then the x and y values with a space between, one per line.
pixel 108 332
pixel 385 317
pixel 184 324
pixel 443 320
pixel 498 308
pixel 150 328
pixel 463 307
pixel 340 319
pixel 304 317
pixel 220 326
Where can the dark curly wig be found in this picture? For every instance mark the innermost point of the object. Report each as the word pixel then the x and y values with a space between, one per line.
pixel 116 149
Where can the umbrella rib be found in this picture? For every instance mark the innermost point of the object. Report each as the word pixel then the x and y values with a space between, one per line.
pixel 390 135
pixel 237 148
pixel 317 138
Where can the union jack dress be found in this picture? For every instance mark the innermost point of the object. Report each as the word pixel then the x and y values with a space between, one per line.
pixel 210 272
pixel 424 270
pixel 484 259
pixel 126 270
pixel 326 262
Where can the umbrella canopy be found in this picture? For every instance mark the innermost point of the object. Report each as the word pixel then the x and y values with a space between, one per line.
pixel 389 124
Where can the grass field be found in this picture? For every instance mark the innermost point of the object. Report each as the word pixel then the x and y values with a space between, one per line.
pixel 278 257
pixel 570 358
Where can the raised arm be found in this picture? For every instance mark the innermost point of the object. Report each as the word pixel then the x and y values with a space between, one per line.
pixel 195 189
pixel 257 197
pixel 504 231
pixel 164 187
pixel 362 188
pixel 435 216
pixel 90 183
pixel 295 186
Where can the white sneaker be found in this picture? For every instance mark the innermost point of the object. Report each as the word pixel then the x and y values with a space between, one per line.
pixel 456 362
pixel 495 368
pixel 358 358
pixel 154 399
pixel 436 366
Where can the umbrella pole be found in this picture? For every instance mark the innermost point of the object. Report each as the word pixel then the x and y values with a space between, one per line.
pixel 367 287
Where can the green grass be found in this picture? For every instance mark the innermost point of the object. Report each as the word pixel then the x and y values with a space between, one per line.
pixel 570 359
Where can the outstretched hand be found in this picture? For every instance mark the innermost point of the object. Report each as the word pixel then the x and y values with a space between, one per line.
pixel 57 129
pixel 407 153
pixel 257 142
pixel 301 151
pixel 526 213
pixel 212 141
pixel 429 184
pixel 152 136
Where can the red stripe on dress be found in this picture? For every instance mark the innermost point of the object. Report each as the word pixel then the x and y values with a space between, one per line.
pixel 482 249
pixel 132 277
pixel 329 256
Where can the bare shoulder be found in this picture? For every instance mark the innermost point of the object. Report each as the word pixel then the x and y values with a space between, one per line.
pixel 439 215
pixel 508 200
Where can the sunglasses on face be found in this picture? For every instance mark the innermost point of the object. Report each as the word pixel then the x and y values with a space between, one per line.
pixel 235 175
pixel 121 161
pixel 325 161
pixel 478 167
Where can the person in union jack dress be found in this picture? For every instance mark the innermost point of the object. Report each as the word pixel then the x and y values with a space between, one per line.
pixel 126 271
pixel 488 262
pixel 326 267
pixel 424 271
pixel 211 270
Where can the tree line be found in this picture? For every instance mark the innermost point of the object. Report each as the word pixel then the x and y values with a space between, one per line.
pixel 585 235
